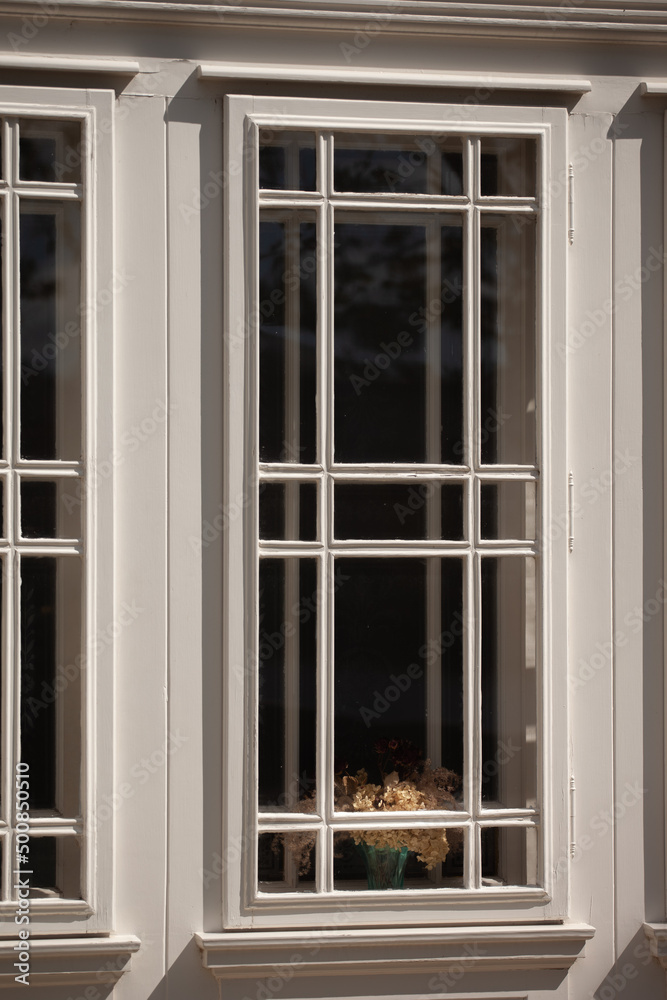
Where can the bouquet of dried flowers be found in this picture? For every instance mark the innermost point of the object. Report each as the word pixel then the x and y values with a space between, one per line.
pixel 408 783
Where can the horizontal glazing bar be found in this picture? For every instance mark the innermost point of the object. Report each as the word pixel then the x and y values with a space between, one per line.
pixel 32 472
pixel 59 192
pixel 290 199
pixel 414 545
pixel 399 820
pixel 502 816
pixel 55 827
pixel 519 474
pixel 38 467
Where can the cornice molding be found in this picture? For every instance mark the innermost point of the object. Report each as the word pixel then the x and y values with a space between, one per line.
pixel 72 64
pixel 243 954
pixel 615 21
pixel 69 961
pixel 377 75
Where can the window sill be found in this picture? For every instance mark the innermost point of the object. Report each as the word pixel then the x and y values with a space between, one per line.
pixel 70 961
pixel 239 954
pixel 657 936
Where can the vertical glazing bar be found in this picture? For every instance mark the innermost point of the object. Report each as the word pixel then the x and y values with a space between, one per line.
pixel 433 505
pixel 292 293
pixel 13 362
pixel 87 361
pixel 470 432
pixel 250 666
pixel 325 680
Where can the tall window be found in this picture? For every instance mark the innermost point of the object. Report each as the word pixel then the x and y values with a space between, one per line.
pixel 397 655
pixel 41 470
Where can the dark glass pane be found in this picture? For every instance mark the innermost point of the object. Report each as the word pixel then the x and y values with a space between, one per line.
pixel 508 167
pixel 50 331
pixel 287 663
pixel 287 861
pixel 50 633
pixel 508 510
pixel 272 167
pixel 287 161
pixel 56 867
pixel 391 657
pixel 397 510
pixel 379 342
pixel 288 511
pixel 509 855
pixel 452 173
pixel 380 626
pixel 50 151
pixel 50 509
pixel 446 651
pixel 509 723
pixel 508 317
pixel 451 326
pixel 288 324
pixel 389 164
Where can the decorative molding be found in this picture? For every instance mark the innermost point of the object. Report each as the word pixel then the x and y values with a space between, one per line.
pixel 254 954
pixel 72 64
pixel 70 961
pixel 410 78
pixel 657 937
pixel 654 88
pixel 615 21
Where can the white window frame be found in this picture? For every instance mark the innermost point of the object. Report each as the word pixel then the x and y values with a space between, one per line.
pixel 244 116
pixel 94 826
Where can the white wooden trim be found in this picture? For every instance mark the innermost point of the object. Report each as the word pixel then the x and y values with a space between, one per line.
pixel 70 64
pixel 244 117
pixel 70 961
pixel 614 21
pixel 93 912
pixel 395 77
pixel 411 949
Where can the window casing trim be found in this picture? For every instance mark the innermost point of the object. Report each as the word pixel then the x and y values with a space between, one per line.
pixel 95 111
pixel 244 116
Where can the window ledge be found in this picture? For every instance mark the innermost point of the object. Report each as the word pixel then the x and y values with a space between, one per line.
pixel 70 961
pixel 657 936
pixel 239 954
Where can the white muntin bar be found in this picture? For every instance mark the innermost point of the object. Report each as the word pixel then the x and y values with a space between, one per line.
pixel 326 726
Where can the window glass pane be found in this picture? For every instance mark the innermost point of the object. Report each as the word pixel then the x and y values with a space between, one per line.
pixel 287 861
pixel 508 167
pixel 509 683
pixel 287 161
pixel 50 313
pixel 287 658
pixel 288 511
pixel 398 678
pixel 56 867
pixel 509 855
pixel 49 151
pixel 508 510
pixel 449 302
pixel 288 324
pixel 3 526
pixel 398 510
pixel 397 165
pixel 379 342
pixel 396 859
pixel 50 633
pixel 508 318
pixel 50 508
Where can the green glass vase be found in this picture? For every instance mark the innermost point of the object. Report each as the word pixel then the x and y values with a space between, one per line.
pixel 385 866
